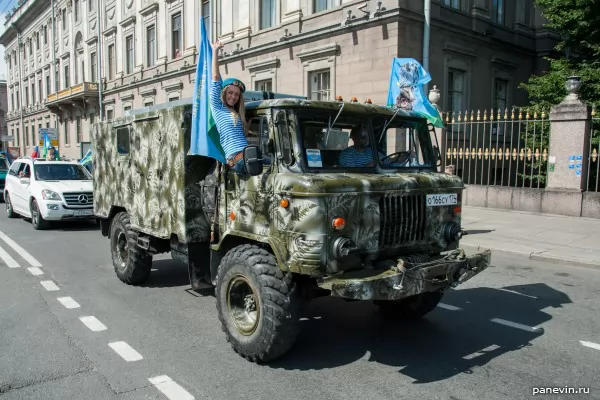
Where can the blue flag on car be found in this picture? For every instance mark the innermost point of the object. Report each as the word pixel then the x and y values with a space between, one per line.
pixel 205 136
pixel 87 158
pixel 406 90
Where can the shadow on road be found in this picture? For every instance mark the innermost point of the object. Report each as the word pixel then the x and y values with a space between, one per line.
pixel 477 231
pixel 443 344
pixel 167 273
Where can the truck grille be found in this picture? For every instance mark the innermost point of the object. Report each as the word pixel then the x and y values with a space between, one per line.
pixel 79 199
pixel 402 219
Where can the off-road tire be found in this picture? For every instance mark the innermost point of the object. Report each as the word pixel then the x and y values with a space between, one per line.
pixel 10 212
pixel 278 307
pixel 132 264
pixel 37 221
pixel 413 307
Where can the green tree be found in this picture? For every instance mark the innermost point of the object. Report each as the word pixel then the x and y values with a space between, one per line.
pixel 578 53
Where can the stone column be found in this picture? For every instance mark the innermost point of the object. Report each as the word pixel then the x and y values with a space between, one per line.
pixel 568 153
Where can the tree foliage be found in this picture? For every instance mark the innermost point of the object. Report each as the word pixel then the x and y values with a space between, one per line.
pixel 577 53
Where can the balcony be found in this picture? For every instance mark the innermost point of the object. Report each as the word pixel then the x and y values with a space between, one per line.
pixel 79 97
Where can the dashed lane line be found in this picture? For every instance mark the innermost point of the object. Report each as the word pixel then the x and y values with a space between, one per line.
pixel 68 302
pixel 127 352
pixel 93 324
pixel 8 260
pixel 50 286
pixel 170 388
pixel 481 352
pixel 448 307
pixel 21 251
pixel 591 345
pixel 35 271
pixel 516 325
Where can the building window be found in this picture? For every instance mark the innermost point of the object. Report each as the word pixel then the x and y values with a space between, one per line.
pixel 111 61
pixel 500 94
pixel 91 5
pixel 92 119
pixel 148 103
pixel 17 138
pixel 129 54
pixel 67 81
pixel 18 103
pixel 78 130
pixel 26 96
pixel 126 108
pixel 497 10
pixel 150 45
pixel 48 90
pixel 94 65
pixel 26 138
pixel 322 5
pixel 456 90
pixel 66 131
pixel 76 8
pixel 109 115
pixel 176 43
pixel 45 34
pixel 47 124
pixel 64 19
pixel 319 82
pixel 452 3
pixel 40 92
pixel 267 13
pixel 12 101
pixel 37 40
pixel 265 85
pixel 56 80
pixel 33 135
pixel 33 93
pixel 206 16
pixel 173 98
pixel 30 47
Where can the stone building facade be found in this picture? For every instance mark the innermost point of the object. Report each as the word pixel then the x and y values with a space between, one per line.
pixel 480 50
pixel 3 110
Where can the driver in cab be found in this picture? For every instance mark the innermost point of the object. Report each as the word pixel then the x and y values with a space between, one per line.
pixel 360 154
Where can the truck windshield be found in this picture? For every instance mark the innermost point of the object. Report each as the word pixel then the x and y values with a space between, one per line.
pixel 356 141
pixel 4 164
pixel 61 172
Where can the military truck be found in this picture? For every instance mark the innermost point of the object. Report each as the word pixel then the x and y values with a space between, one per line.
pixel 302 223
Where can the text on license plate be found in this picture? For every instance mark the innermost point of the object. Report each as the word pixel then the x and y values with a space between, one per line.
pixel 79 213
pixel 442 199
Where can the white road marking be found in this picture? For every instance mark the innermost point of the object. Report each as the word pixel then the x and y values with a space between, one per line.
pixel 125 351
pixel 170 389
pixel 35 271
pixel 591 345
pixel 481 352
pixel 93 324
pixel 8 260
pixel 448 307
pixel 68 302
pixel 22 252
pixel 50 286
pixel 518 326
pixel 515 292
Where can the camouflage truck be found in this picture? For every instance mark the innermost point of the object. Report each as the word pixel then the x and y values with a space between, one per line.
pixel 299 225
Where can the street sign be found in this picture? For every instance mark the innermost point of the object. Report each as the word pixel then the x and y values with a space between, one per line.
pixel 6 138
pixel 53 141
pixel 51 132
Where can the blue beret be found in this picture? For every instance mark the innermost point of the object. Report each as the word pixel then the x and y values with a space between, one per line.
pixel 234 82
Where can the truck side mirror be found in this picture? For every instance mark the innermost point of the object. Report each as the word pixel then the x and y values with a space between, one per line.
pixel 252 160
pixel 437 155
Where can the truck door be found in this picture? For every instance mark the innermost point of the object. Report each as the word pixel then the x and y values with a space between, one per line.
pixel 123 184
pixel 249 197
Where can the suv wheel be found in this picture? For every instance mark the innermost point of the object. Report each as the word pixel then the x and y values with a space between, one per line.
pixel 10 213
pixel 37 221
pixel 413 307
pixel 132 264
pixel 258 304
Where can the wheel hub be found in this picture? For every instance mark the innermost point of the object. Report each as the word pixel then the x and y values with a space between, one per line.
pixel 122 248
pixel 243 305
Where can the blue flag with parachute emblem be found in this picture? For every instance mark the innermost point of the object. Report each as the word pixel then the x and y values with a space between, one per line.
pixel 205 136
pixel 406 90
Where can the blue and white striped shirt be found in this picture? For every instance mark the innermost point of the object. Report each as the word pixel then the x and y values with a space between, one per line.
pixel 350 157
pixel 231 136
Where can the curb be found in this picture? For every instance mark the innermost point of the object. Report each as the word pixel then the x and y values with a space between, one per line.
pixel 538 257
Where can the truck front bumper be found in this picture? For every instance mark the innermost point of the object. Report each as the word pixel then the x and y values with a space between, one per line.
pixel 405 279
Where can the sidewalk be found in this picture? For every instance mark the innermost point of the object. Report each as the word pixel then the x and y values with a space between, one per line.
pixel 542 237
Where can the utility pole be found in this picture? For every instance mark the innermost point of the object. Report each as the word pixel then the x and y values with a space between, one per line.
pixel 99 51
pixel 426 32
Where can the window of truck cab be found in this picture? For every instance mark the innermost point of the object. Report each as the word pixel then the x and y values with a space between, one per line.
pixel 405 143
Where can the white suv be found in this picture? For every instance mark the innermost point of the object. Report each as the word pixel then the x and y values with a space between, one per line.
pixel 48 191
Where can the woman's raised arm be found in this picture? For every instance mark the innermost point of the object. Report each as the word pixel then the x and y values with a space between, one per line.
pixel 216 75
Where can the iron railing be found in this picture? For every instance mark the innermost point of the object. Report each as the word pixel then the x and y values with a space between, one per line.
pixel 497 148
pixel 593 170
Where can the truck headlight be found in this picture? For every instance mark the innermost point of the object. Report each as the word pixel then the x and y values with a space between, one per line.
pixel 342 247
pixel 50 195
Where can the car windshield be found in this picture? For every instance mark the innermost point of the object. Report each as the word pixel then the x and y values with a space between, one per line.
pixel 354 139
pixel 4 164
pixel 61 172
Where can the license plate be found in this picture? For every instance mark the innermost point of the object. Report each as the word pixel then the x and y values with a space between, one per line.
pixel 434 200
pixel 80 213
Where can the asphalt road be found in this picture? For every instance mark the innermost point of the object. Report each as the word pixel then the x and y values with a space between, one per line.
pixel 69 329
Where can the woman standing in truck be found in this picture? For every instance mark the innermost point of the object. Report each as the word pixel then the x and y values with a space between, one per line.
pixel 227 105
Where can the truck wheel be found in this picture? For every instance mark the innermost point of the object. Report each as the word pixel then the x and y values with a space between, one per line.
pixel 10 212
pixel 258 304
pixel 37 221
pixel 413 307
pixel 132 264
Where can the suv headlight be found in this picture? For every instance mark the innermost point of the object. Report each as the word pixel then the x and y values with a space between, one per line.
pixel 50 195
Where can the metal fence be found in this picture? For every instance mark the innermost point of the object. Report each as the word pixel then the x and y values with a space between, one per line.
pixel 499 147
pixel 593 172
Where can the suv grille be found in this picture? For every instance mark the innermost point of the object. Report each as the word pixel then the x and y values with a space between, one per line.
pixel 79 199
pixel 402 219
